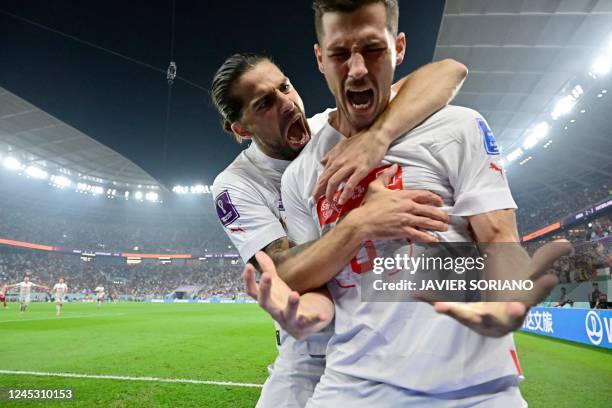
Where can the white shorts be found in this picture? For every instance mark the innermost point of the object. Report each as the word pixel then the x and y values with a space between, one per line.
pixel 291 383
pixel 339 390
pixel 59 300
pixel 25 300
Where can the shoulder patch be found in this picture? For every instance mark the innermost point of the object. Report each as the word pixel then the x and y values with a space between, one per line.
pixel 490 144
pixel 226 211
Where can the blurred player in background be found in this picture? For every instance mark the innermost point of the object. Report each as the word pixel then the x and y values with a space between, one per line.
pixel 25 292
pixel 3 290
pixel 99 294
pixel 59 292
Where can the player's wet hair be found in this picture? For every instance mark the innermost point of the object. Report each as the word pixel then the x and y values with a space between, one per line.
pixel 228 105
pixel 321 7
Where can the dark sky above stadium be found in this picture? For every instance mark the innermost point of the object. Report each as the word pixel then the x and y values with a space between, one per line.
pixel 123 104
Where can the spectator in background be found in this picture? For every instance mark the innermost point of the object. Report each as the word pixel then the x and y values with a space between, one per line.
pixel 563 299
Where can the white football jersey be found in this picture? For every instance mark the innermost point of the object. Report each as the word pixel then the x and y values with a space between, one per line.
pixel 60 289
pixel 248 200
pixel 249 206
pixel 25 289
pixel 407 344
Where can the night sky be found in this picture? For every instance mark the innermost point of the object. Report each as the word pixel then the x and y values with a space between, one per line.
pixel 122 104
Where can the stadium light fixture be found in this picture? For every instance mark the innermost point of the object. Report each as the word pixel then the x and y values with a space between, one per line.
pixel 36 172
pixel 138 195
pixel 602 65
pixel 197 189
pixel 12 163
pixel 563 106
pixel 180 190
pixel 515 154
pixel 61 181
pixel 539 132
pixel 151 196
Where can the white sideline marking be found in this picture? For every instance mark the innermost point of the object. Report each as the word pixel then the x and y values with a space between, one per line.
pixel 126 378
pixel 24 319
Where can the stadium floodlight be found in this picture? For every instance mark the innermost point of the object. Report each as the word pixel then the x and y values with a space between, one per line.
pixel 12 163
pixel 197 189
pixel 563 106
pixel 530 141
pixel 539 132
pixel 61 181
pixel 36 172
pixel 180 190
pixel 602 65
pixel 515 154
pixel 126 195
pixel 138 195
pixel 97 189
pixel 151 196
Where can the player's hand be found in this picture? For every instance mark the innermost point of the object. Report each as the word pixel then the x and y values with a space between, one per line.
pixel 350 160
pixel 398 214
pixel 496 319
pixel 283 304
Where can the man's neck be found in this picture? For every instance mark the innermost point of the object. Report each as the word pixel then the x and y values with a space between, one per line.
pixel 339 122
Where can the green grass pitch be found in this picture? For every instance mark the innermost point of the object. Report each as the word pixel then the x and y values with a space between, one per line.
pixel 218 342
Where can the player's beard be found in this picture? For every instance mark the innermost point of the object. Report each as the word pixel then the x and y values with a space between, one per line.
pixel 280 145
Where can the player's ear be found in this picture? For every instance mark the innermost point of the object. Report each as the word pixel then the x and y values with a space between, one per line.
pixel 241 131
pixel 400 48
pixel 319 56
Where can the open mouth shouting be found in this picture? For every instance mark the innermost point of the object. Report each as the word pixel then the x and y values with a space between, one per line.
pixel 360 100
pixel 296 132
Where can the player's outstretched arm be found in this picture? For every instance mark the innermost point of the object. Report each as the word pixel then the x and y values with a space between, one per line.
pixel 420 94
pixel 300 316
pixel 385 214
pixel 504 312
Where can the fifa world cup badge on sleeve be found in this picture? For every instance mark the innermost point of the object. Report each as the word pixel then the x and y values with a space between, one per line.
pixel 489 140
pixel 225 209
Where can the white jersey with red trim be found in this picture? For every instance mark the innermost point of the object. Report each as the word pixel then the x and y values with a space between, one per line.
pixel 99 292
pixel 248 199
pixel 59 290
pixel 407 344
pixel 249 206
pixel 25 290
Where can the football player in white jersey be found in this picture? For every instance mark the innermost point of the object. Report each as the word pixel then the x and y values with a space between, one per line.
pixel 25 292
pixel 404 353
pixel 59 292
pixel 99 294
pixel 256 101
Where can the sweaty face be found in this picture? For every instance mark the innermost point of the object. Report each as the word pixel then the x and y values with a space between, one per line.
pixel 358 56
pixel 273 112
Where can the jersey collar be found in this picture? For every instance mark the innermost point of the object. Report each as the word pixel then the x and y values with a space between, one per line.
pixel 255 153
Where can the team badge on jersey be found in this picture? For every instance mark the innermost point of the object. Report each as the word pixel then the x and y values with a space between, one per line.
pixel 226 211
pixel 490 144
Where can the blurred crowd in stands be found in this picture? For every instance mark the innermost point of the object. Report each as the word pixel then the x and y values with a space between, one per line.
pixel 213 277
pixel 534 214
pixel 196 235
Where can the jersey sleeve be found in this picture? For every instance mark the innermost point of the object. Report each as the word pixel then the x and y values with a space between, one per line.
pixel 247 220
pixel 301 226
pixel 473 163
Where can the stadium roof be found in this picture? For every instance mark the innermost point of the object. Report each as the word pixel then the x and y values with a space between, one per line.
pixel 35 137
pixel 524 56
